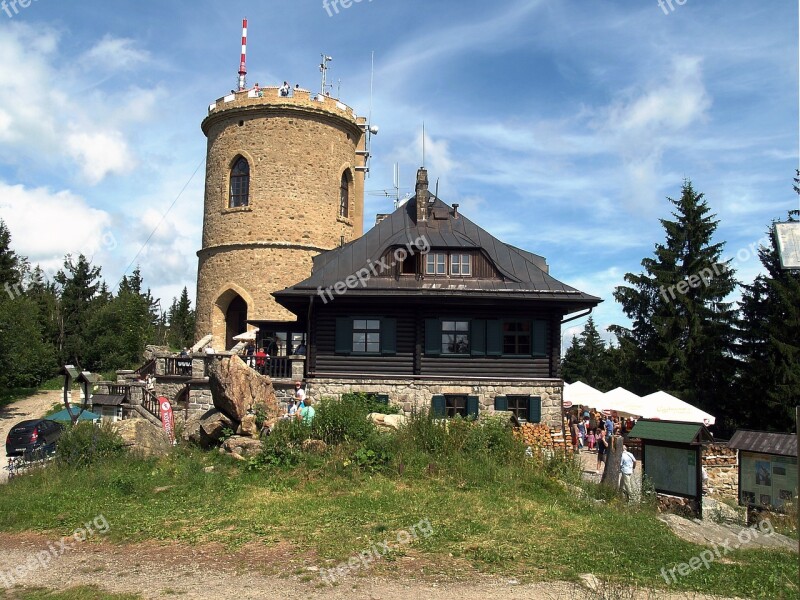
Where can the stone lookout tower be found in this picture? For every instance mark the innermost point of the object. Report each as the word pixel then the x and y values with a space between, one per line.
pixel 284 182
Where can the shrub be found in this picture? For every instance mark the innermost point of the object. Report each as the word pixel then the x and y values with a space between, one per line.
pixel 339 421
pixel 371 403
pixel 282 447
pixel 84 444
pixel 493 437
pixel 376 453
pixel 423 433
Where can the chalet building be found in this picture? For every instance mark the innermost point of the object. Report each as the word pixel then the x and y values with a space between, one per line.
pixel 429 310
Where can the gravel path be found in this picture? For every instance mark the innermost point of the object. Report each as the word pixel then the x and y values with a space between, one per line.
pixel 158 571
pixel 32 407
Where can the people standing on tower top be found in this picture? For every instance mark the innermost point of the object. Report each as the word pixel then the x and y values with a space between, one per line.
pixel 257 90
pixel 285 89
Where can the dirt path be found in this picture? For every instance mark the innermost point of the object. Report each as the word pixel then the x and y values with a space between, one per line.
pixel 32 407
pixel 156 571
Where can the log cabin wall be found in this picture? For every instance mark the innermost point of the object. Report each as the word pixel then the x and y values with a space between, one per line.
pixel 409 357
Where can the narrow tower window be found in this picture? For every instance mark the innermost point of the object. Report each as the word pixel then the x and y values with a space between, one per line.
pixel 344 196
pixel 240 184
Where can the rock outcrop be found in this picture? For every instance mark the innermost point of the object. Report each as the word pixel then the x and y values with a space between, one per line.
pixel 236 388
pixel 212 427
pixel 243 446
pixel 248 426
pixel 387 421
pixel 143 437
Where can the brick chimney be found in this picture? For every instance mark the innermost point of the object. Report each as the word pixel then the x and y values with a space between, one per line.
pixel 422 195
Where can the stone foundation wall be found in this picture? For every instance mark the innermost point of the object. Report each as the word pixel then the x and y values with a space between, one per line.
pixel 685 507
pixel 722 467
pixel 411 394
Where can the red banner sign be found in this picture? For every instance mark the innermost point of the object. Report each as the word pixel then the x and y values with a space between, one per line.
pixel 167 418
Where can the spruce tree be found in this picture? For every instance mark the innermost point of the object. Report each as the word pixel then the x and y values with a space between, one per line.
pixel 587 359
pixel 683 332
pixel 770 343
pixel 78 283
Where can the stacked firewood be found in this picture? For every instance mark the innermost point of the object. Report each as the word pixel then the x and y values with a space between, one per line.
pixel 539 435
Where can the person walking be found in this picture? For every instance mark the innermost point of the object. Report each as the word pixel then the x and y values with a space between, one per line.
pixel 626 466
pixel 602 448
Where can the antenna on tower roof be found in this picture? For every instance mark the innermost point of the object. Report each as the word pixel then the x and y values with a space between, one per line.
pixel 323 66
pixel 423 144
pixel 243 63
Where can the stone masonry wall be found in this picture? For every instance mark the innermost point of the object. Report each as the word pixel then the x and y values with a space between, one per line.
pixel 409 394
pixel 297 149
pixel 721 464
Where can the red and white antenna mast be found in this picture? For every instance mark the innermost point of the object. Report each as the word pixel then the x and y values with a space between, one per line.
pixel 243 63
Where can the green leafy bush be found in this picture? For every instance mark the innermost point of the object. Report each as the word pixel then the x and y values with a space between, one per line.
pixel 344 420
pixel 376 452
pixel 371 403
pixel 84 444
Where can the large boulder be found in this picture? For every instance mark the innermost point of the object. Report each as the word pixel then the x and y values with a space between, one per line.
pixel 237 388
pixel 243 446
pixel 213 424
pixel 248 426
pixel 143 437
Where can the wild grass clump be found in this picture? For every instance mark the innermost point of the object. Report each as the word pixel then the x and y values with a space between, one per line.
pixel 371 404
pixel 344 420
pixel 85 444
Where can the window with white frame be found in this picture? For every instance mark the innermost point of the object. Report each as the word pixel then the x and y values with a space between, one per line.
pixel 460 264
pixel 436 263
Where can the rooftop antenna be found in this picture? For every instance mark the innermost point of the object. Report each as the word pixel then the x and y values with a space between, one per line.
pixel 423 144
pixel 323 67
pixel 369 128
pixel 243 63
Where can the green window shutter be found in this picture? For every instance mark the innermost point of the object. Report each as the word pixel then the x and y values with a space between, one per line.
pixel 472 406
pixel 535 409
pixel 382 398
pixel 433 337
pixel 494 338
pixel 477 337
pixel 344 335
pixel 438 407
pixel 539 338
pixel 388 336
pixel 500 403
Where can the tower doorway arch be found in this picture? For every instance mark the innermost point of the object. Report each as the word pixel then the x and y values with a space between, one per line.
pixel 235 320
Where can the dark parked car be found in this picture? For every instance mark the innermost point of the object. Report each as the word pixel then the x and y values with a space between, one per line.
pixel 34 437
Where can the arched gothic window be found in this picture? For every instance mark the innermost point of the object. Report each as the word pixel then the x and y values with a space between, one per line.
pixel 344 196
pixel 240 183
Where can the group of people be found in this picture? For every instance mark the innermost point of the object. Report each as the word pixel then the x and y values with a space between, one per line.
pixel 300 406
pixel 256 359
pixel 283 90
pixel 596 432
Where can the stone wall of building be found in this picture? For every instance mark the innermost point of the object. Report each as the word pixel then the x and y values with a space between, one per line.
pixel 297 149
pixel 411 394
pixel 722 467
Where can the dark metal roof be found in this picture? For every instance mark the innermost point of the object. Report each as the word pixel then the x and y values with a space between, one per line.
pixel 107 399
pixel 524 274
pixel 679 432
pixel 782 444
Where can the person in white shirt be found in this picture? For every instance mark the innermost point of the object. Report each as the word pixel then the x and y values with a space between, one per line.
pixel 626 465
pixel 299 392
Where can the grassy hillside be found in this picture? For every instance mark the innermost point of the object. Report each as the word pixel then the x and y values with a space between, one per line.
pixel 489 509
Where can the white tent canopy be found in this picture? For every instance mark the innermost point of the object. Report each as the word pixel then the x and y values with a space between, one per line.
pixel 580 394
pixel 624 402
pixel 661 405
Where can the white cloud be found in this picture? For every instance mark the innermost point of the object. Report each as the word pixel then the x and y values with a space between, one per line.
pixel 46 225
pixel 100 154
pixel 60 121
pixel 115 54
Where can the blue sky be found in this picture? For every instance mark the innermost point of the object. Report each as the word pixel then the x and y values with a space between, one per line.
pixel 560 125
